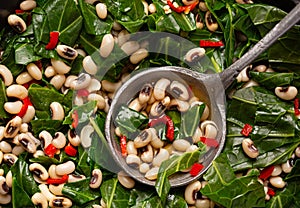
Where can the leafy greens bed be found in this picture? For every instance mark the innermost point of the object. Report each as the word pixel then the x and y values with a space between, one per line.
pixel 275 127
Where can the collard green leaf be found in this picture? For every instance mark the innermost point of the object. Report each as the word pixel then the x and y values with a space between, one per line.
pixel 186 22
pixel 40 25
pixel 191 119
pixel 224 188
pixel 44 160
pixel 91 43
pixel 80 192
pixel 171 166
pixel 24 53
pixel 270 80
pixel 3 99
pixel 20 198
pixel 229 36
pixel 49 125
pixel 114 194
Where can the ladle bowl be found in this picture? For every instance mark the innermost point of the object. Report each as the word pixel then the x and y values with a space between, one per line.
pixel 208 88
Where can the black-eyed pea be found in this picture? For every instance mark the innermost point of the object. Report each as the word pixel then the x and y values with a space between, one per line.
pixel 17 150
pixel 78 100
pixel 135 105
pixel 188 2
pixel 1 172
pixel 145 93
pixel 38 153
pixel 58 81
pixel 59 140
pixel 59 201
pixel 81 82
pixel 60 67
pixel 138 56
pixel 287 167
pixel 277 181
pixel 27 142
pixel 143 138
pixel 145 4
pixel 96 178
pixel 202 6
pixel 98 98
pixel 45 191
pixel 211 22
pixel 147 154
pixel 49 71
pixel 85 135
pixel 17 91
pixel 57 111
pixel 23 78
pixel 46 138
pixel 286 93
pixel 191 191
pixel 152 173
pixel 5 147
pixel 52 172
pixel 73 138
pixel 17 23
pixel 66 52
pixel 160 87
pixel 125 180
pixel 199 22
pixel 144 167
pixel 24 128
pixel 5 199
pixel 13 107
pixel 197 135
pixel 202 203
pixel 40 200
pixel 260 68
pixel 107 45
pixel 34 71
pixel 81 52
pixel 65 168
pixel 103 203
pixel 101 10
pixel 12 127
pixel 2 128
pixel 1 157
pixel 133 160
pixel 249 148
pixel 94 86
pixel 123 37
pixel 192 148
pixel 29 115
pixel 244 1
pixel 297 150
pixel 39 171
pixel 110 86
pixel 96 206
pixel 244 76
pixel 160 156
pixel 169 147
pixel 69 80
pixel 181 145
pixel 209 129
pixel 6 75
pixel 159 107
pixel 8 179
pixel 4 188
pixel 75 177
pixel 179 90
pixel 56 189
pixel 155 142
pixel 276 171
pixel 152 8
pixel 130 47
pixel 27 5
pixel 10 159
pixel 194 54
pixel 131 148
pixel 181 105
pixel 250 83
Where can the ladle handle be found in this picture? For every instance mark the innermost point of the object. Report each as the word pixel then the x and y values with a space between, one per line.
pixel 230 73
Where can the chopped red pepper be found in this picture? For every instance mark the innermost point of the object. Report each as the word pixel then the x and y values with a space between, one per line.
pixel 61 180
pixel 70 150
pixel 209 43
pixel 75 119
pixel 19 11
pixel 296 107
pixel 271 192
pixel 83 93
pixel 210 142
pixel 53 40
pixel 246 130
pixel 266 172
pixel 167 121
pixel 181 9
pixel 39 64
pixel 196 168
pixel 26 103
pixel 50 150
pixel 123 145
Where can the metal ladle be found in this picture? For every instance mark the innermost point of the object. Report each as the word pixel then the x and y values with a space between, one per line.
pixel 211 85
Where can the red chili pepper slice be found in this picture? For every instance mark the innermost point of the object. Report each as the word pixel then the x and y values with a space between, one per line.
pixel 210 142
pixel 123 145
pixel 181 9
pixel 19 11
pixel 26 103
pixel 83 93
pixel 271 192
pixel 70 150
pixel 196 168
pixel 266 172
pixel 75 119
pixel 64 179
pixel 209 43
pixel 50 150
pixel 246 130
pixel 167 121
pixel 296 107
pixel 53 40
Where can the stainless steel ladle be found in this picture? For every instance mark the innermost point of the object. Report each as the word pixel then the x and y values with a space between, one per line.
pixel 211 85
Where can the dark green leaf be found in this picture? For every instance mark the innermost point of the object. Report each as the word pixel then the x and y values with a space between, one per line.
pixel 270 80
pixel 3 99
pixel 49 125
pixel 191 119
pixel 20 198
